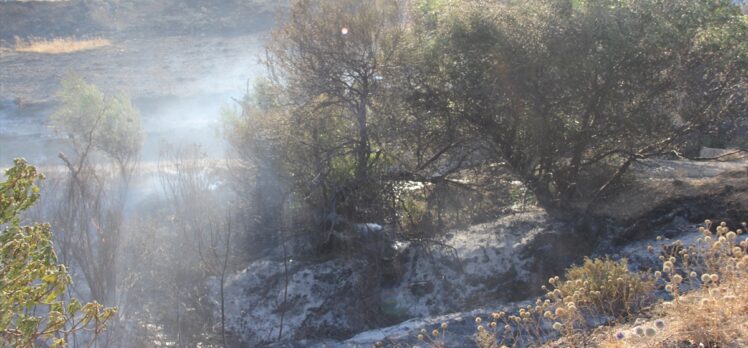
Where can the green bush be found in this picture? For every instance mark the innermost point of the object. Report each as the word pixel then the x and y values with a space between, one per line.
pixel 31 280
pixel 89 118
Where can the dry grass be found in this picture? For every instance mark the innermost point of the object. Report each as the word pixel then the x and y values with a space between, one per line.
pixel 59 45
pixel 715 315
pixel 712 317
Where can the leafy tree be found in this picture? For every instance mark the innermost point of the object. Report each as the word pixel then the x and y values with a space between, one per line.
pixel 333 62
pixel 563 89
pixel 93 121
pixel 563 95
pixel 106 136
pixel 31 280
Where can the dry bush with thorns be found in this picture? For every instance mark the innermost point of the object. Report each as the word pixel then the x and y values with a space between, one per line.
pixel 715 314
pixel 597 288
pixel 606 287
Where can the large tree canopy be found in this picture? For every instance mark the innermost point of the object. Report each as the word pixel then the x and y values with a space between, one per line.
pixel 563 95
pixel 560 87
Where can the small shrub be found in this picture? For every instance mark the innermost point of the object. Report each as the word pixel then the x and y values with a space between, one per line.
pixel 32 282
pixel 484 339
pixel 717 312
pixel 434 338
pixel 606 287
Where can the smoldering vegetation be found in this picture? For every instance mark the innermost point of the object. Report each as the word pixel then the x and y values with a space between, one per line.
pixel 372 168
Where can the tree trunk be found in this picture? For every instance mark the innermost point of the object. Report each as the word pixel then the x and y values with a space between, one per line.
pixel 362 148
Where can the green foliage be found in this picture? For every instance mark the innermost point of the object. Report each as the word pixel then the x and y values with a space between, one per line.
pixel 106 136
pixel 558 88
pixel 367 97
pixel 31 280
pixel 604 286
pixel 334 63
pixel 89 118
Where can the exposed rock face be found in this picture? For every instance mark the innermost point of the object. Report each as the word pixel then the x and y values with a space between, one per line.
pixel 479 269
pixel 326 299
pixel 483 265
pixel 461 324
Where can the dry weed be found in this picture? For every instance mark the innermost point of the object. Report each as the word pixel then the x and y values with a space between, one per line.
pixel 715 315
pixel 707 283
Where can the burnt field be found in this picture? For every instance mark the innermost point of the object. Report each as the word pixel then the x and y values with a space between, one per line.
pixel 179 61
pixel 171 66
pixel 167 48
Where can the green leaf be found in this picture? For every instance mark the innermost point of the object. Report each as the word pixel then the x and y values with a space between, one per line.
pixel 50 278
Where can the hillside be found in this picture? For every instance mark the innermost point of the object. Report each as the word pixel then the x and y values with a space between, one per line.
pixel 492 267
pixel 133 18
pixel 373 173
pixel 156 49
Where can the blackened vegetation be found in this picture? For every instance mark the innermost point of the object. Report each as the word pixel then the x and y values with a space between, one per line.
pixel 379 127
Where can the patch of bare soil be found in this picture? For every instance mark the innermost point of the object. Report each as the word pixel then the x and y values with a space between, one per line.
pixel 654 183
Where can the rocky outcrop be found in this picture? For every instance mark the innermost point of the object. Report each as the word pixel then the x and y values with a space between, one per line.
pixel 483 265
pixel 349 301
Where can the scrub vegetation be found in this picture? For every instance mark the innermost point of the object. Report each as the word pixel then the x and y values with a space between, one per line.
pixel 696 299
pixel 394 162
